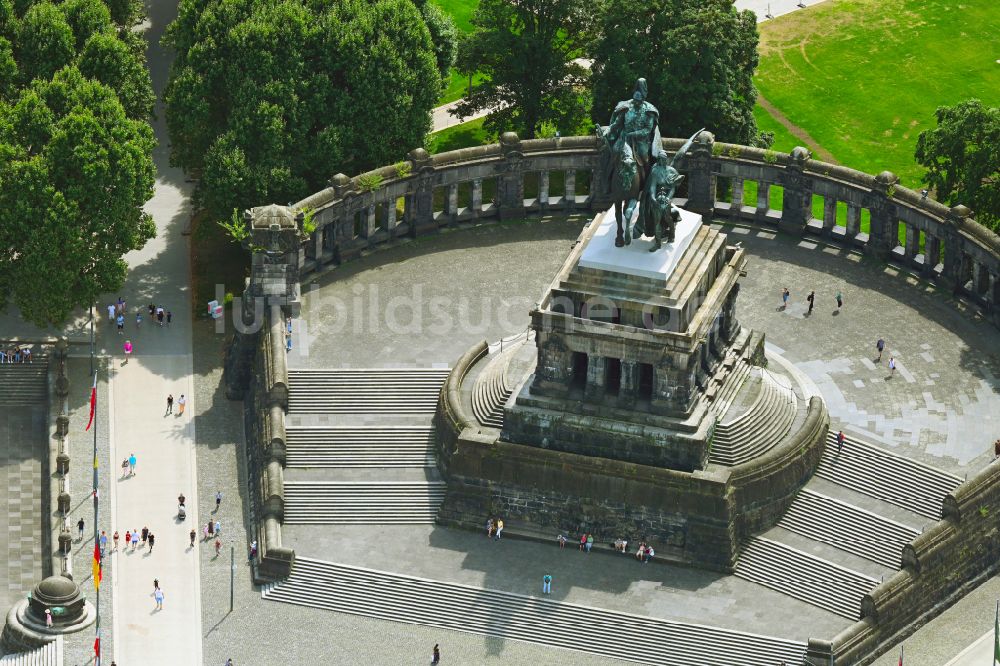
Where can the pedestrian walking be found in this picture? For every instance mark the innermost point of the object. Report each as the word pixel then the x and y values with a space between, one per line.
pixel 996 449
pixel 152 540
pixel 436 655
pixel 880 346
pixel 253 551
pixel 111 313
pixel 892 366
pixel 218 546
pixel 48 618
pixel 159 316
pixel 145 535
pixel 135 538
pixel 211 528
pixel 128 350
pixel 79 528
pixel 115 539
pixel 218 528
pixel 156 584
pixel 181 401
pixel 120 321
pixel 131 464
pixel 218 499
pixel 785 294
pixel 840 299
pixel 170 316
pixel 138 319
pixel 499 528
pixel 547 584
pixel 128 539
pixel 124 467
pixel 811 298
pixel 193 536
pixel 152 311
pixel 170 403
pixel 158 596
pixel 840 441
pixel 562 540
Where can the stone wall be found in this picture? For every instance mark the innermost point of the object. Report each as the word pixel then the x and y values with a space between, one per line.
pixel 941 565
pixel 429 192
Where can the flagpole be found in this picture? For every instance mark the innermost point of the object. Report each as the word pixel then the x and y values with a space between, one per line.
pixel 97 533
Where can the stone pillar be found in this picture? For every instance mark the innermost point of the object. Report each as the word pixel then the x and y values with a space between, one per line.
pixel 510 184
pixel 981 278
pixel 953 274
pixel 317 238
pixel 737 204
pixel 912 245
pixel 829 215
pixel 543 189
pixel 554 367
pixel 451 203
pixel 881 238
pixel 570 194
pixel 421 218
pixel 390 217
pixel 370 221
pixel 477 197
pixel 853 220
pixel 796 199
pixel 932 254
pixel 595 378
pixel 701 180
pixel 629 387
pixel 763 198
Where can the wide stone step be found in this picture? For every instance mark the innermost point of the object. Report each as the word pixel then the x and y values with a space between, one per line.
pixel 50 654
pixel 752 433
pixel 371 390
pixel 362 502
pixel 802 576
pixel 25 384
pixel 848 528
pixel 356 446
pixel 874 471
pixel 468 609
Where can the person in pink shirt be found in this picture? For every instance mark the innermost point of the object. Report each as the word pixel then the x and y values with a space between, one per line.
pixel 128 350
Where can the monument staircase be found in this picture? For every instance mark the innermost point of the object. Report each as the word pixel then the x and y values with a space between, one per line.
pixel 831 550
pixel 25 384
pixel 507 615
pixel 360 447
pixel 50 654
pixel 492 390
pixel 751 433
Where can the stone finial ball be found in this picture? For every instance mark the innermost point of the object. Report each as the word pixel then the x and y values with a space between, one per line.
pixel 705 137
pixel 800 154
pixel 887 178
pixel 509 138
pixel 961 210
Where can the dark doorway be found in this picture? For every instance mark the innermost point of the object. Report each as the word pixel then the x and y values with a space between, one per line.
pixel 579 369
pixel 645 381
pixel 612 375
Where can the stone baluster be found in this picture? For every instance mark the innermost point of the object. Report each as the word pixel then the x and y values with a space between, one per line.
pixel 389 211
pixel 510 184
pixel 953 275
pixel 882 237
pixel 570 195
pixel 763 198
pixel 370 221
pixel 981 278
pixel 595 378
pixel 543 189
pixel 421 217
pixel 911 246
pixel 796 198
pixel 701 180
pixel 451 203
pixel 932 254
pixel 317 238
pixel 829 215
pixel 477 197
pixel 853 220
pixel 737 204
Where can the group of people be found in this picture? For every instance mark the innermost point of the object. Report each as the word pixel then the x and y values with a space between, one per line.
pixel 644 553
pixel 494 528
pixel 810 299
pixel 15 355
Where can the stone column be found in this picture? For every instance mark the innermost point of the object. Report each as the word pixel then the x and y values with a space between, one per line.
pixel 477 197
pixel 829 215
pixel 853 220
pixel 421 218
pixel 390 217
pixel 317 238
pixel 981 278
pixel 763 198
pixel 629 386
pixel 370 221
pixel 737 204
pixel 701 180
pixel 510 184
pixel 451 203
pixel 932 254
pixel 796 199
pixel 912 245
pixel 595 378
pixel 953 275
pixel 569 195
pixel 543 189
pixel 881 239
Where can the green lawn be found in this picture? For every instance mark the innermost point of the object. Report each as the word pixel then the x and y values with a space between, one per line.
pixel 460 12
pixel 459 136
pixel 863 77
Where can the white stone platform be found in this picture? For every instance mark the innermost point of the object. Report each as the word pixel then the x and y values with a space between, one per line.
pixel 636 259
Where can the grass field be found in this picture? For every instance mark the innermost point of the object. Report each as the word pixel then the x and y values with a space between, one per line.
pixel 460 12
pixel 863 77
pixel 458 136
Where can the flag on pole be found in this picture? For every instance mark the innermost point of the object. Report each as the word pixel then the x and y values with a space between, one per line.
pixel 97 566
pixel 93 407
pixel 996 635
pixel 900 655
pixel 97 650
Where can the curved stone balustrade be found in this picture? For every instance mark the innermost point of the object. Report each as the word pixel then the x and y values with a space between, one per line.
pixel 515 178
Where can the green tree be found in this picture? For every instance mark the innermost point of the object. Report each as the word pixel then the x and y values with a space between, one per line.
pixel 45 43
pixel 114 63
pixel 962 157
pixel 8 69
pixel 444 36
pixel 267 100
pixel 697 57
pixel 526 50
pixel 74 176
pixel 86 18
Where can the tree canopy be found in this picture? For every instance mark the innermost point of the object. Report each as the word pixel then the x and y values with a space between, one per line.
pixel 697 57
pixel 526 50
pixel 266 101
pixel 962 157
pixel 74 175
